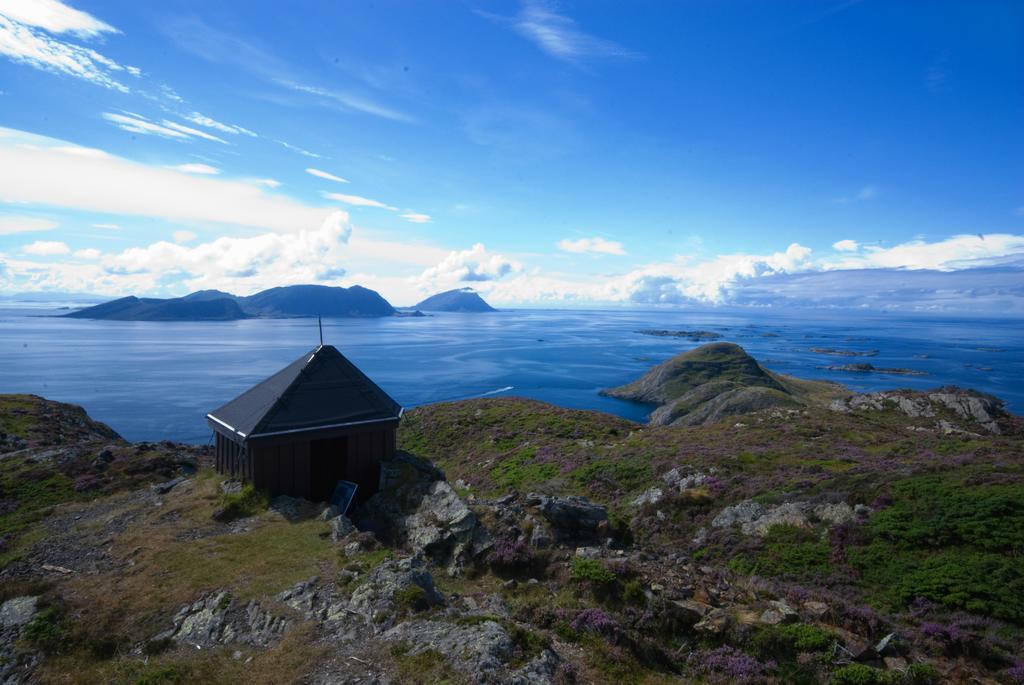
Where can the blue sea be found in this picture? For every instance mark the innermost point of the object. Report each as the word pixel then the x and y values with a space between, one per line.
pixel 155 381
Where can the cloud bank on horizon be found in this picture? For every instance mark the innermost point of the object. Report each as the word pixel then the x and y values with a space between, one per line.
pixel 536 174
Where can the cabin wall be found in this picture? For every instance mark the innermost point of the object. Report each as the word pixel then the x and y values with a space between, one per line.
pixel 285 468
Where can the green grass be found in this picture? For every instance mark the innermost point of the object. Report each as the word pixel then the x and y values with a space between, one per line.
pixel 592 571
pixel 522 471
pixel 787 552
pixel 247 502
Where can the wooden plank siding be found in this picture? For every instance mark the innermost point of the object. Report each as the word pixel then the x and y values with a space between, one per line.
pixel 284 466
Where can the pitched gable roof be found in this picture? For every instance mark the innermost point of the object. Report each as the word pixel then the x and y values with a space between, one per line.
pixel 321 389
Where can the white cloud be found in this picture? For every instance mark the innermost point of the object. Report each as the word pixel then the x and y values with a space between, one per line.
pixel 846 245
pixel 348 101
pixel 137 124
pixel 23 43
pixel 183 236
pixel 955 252
pixel 46 248
pixel 473 265
pixel 268 182
pixel 50 175
pixel 596 245
pixel 9 225
pixel 324 174
pixel 559 36
pixel 241 265
pixel 109 227
pixel 189 131
pixel 88 253
pixel 195 168
pixel 55 17
pixel 301 151
pixel 202 120
pixel 358 201
pixel 416 218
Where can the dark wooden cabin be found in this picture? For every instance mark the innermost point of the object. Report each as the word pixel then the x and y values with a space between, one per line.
pixel 317 421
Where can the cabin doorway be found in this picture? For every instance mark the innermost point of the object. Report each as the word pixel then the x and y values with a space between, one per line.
pixel 328 462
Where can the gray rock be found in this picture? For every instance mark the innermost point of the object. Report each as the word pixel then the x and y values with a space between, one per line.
pixel 479 650
pixel 649 496
pixel 18 611
pixel 217 619
pixel 743 513
pixel 836 514
pixel 329 512
pixel 715 622
pixel 231 487
pixel 375 599
pixel 541 536
pixel 779 612
pixel 428 516
pixel 167 486
pixel 572 518
pixel 341 527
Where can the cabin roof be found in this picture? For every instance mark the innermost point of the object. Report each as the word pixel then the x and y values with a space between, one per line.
pixel 319 390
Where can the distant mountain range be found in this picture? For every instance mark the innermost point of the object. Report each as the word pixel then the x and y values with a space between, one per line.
pixel 215 305
pixel 460 300
pixel 276 303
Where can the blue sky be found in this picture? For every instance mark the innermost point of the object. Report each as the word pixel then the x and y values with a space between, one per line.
pixel 543 153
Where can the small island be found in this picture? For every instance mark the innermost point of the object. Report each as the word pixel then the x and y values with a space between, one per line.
pixel 458 300
pixel 843 353
pixel 870 368
pixel 293 301
pixel 695 336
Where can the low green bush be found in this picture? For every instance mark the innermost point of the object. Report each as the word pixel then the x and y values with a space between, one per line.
pixel 247 502
pixel 773 641
pixel 591 570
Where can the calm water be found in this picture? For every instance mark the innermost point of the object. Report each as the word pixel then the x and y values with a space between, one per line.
pixel 153 381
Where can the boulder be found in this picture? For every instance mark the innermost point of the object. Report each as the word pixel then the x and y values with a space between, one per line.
pixel 341 527
pixel 649 496
pixel 375 599
pixel 715 622
pixel 18 611
pixel 572 518
pixel 426 515
pixel 779 612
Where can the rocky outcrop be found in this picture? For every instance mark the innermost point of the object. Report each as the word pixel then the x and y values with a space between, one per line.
pixel 572 518
pixel 419 510
pixel 217 619
pixel 380 599
pixel 756 519
pixel 965 405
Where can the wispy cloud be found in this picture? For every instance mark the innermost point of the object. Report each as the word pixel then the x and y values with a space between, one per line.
pixel 348 101
pixel 266 182
pixel 50 174
pixel 202 120
pixel 215 45
pixel 559 35
pixel 46 248
pixel 596 245
pixel 866 192
pixel 196 168
pixel 846 245
pixel 416 218
pixel 136 123
pixel 358 201
pixel 301 151
pixel 55 17
pixel 108 227
pixel 11 225
pixel 183 236
pixel 29 34
pixel 323 174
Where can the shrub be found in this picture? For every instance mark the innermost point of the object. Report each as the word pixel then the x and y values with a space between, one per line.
pixel 792 638
pixel 591 570
pixel 633 592
pixel 247 502
pixel 856 674
pixel 594 621
pixel 46 631
pixel 155 647
pixel 411 598
pixel 789 552
pixel 859 674
pixel 728 664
